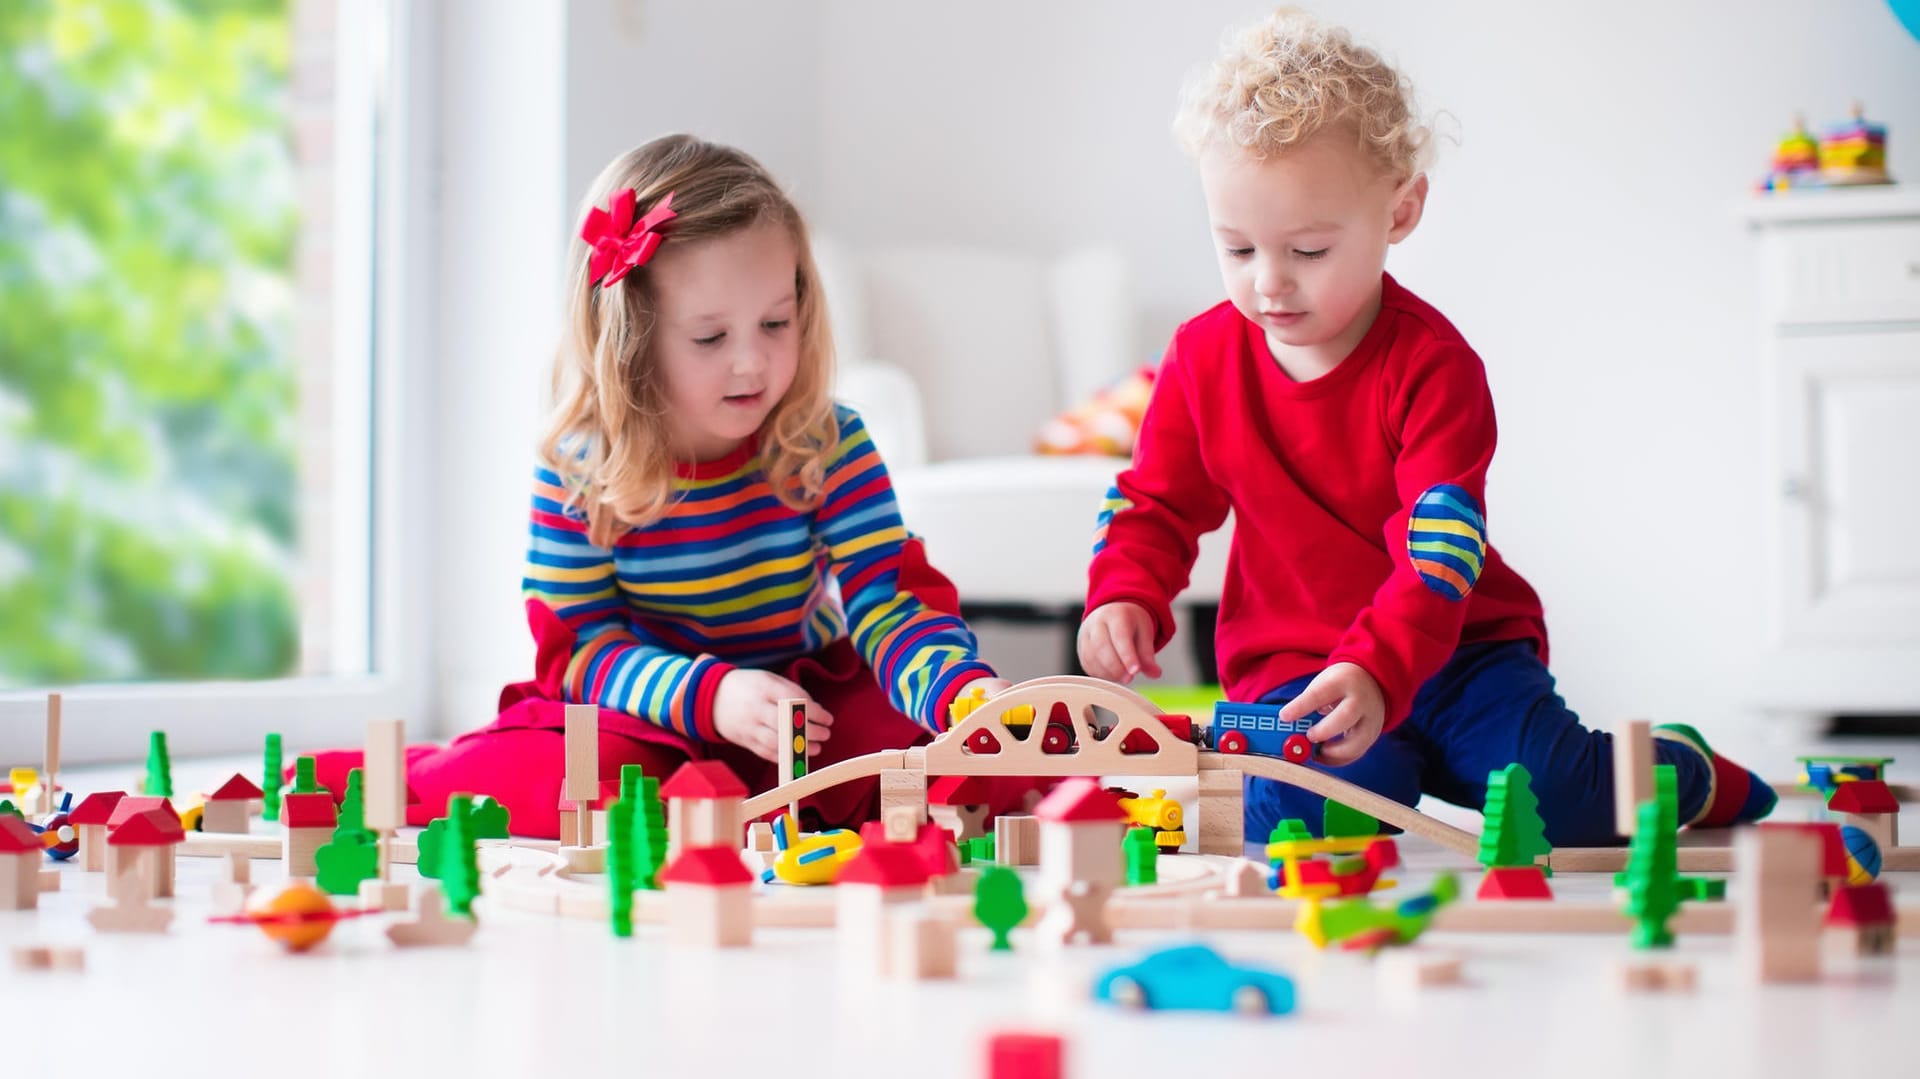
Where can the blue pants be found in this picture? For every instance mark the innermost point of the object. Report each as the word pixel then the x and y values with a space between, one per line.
pixel 1491 705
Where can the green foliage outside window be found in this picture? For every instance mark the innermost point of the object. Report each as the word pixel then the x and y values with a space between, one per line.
pixel 147 375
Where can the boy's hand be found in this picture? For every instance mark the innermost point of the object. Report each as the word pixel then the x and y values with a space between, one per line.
pixel 1351 701
pixel 746 712
pixel 1116 642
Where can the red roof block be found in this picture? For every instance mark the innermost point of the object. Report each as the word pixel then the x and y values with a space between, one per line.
pixel 132 805
pixel 1862 905
pixel 96 808
pixel 933 846
pixel 703 780
pixel 889 865
pixel 1863 796
pixel 153 828
pixel 713 867
pixel 959 791
pixel 309 811
pixel 1080 801
pixel 237 789
pixel 17 838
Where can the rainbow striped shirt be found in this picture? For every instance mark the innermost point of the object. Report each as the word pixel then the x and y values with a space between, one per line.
pixel 732 577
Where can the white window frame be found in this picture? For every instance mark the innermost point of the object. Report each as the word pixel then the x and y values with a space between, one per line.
pixel 383 152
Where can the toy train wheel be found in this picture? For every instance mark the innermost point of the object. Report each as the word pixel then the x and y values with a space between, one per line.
pixel 1298 748
pixel 983 743
pixel 1232 742
pixel 1057 739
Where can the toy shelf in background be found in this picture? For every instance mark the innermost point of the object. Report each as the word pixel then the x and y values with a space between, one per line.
pixel 1851 154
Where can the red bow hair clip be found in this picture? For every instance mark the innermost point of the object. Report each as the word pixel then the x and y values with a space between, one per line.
pixel 617 242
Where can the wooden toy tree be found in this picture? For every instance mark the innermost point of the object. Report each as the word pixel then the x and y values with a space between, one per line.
pixel 1653 863
pixel 351 856
pixel 304 781
pixel 1344 822
pixel 1514 835
pixel 270 779
pixel 649 829
pixel 1512 838
pixel 159 781
pixel 486 819
pixel 1143 866
pixel 620 863
pixel 1000 903
pixel 1289 830
pixel 459 863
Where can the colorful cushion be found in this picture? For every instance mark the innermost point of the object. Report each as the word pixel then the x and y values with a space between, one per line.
pixel 1104 426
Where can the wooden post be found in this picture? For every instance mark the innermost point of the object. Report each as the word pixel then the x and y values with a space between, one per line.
pixel 384 785
pixel 1222 813
pixel 1632 772
pixel 583 766
pixel 48 782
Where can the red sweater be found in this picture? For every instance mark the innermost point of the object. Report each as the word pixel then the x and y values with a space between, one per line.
pixel 1358 500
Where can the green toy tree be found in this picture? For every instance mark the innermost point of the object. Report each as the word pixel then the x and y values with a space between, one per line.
pixel 351 856
pixel 270 781
pixel 1288 830
pixel 486 819
pixel 649 827
pixel 620 864
pixel 1513 835
pixel 1653 863
pixel 1143 865
pixel 304 781
pixel 8 807
pixel 159 781
pixel 1000 903
pixel 1345 822
pixel 458 862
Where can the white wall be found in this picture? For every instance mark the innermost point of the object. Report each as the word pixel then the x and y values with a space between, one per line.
pixel 1582 233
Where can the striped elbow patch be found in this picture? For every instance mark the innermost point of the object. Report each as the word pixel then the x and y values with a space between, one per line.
pixel 1115 502
pixel 1447 540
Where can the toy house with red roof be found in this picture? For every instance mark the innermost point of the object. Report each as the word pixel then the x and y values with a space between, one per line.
pixel 226 809
pixel 703 807
pixel 1870 806
pixel 1081 860
pixel 21 849
pixel 709 898
pixel 143 849
pixel 125 810
pixel 310 821
pixel 883 875
pixel 1864 912
pixel 91 817
pixel 959 804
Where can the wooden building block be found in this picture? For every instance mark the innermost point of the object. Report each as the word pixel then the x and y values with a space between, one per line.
pixel 228 816
pixel 48 957
pixel 383 778
pixel 1410 969
pixel 431 927
pixel 921 947
pixel 1632 772
pixel 1016 839
pixel 1222 813
pixel 899 788
pixel 1774 893
pixel 1657 977
pixel 583 766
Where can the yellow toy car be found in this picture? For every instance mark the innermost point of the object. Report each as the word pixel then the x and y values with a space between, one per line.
pixel 1160 813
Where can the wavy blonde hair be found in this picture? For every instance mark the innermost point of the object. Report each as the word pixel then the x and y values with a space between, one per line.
pixel 608 435
pixel 1282 79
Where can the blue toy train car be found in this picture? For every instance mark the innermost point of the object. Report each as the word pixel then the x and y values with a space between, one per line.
pixel 1258 728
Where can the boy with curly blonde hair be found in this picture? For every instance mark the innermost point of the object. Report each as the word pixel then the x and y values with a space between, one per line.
pixel 1348 426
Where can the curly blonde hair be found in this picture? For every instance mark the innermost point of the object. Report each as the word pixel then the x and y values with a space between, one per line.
pixel 608 437
pixel 1282 79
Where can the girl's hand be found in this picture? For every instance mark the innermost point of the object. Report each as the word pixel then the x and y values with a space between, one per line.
pixel 746 712
pixel 1351 701
pixel 993 687
pixel 1116 642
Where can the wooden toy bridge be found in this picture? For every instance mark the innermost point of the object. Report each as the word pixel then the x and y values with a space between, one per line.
pixel 1137 743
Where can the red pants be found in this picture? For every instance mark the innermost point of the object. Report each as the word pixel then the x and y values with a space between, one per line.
pixel 520 759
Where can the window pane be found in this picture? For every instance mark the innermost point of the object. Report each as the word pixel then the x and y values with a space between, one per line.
pixel 167 379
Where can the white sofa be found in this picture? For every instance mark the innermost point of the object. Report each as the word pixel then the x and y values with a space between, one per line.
pixel 956 357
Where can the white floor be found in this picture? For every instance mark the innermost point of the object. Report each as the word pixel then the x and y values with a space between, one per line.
pixel 535 996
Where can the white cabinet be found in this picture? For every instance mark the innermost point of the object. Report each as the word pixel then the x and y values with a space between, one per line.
pixel 1841 309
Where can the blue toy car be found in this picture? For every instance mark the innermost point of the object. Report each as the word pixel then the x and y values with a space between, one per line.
pixel 1194 977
